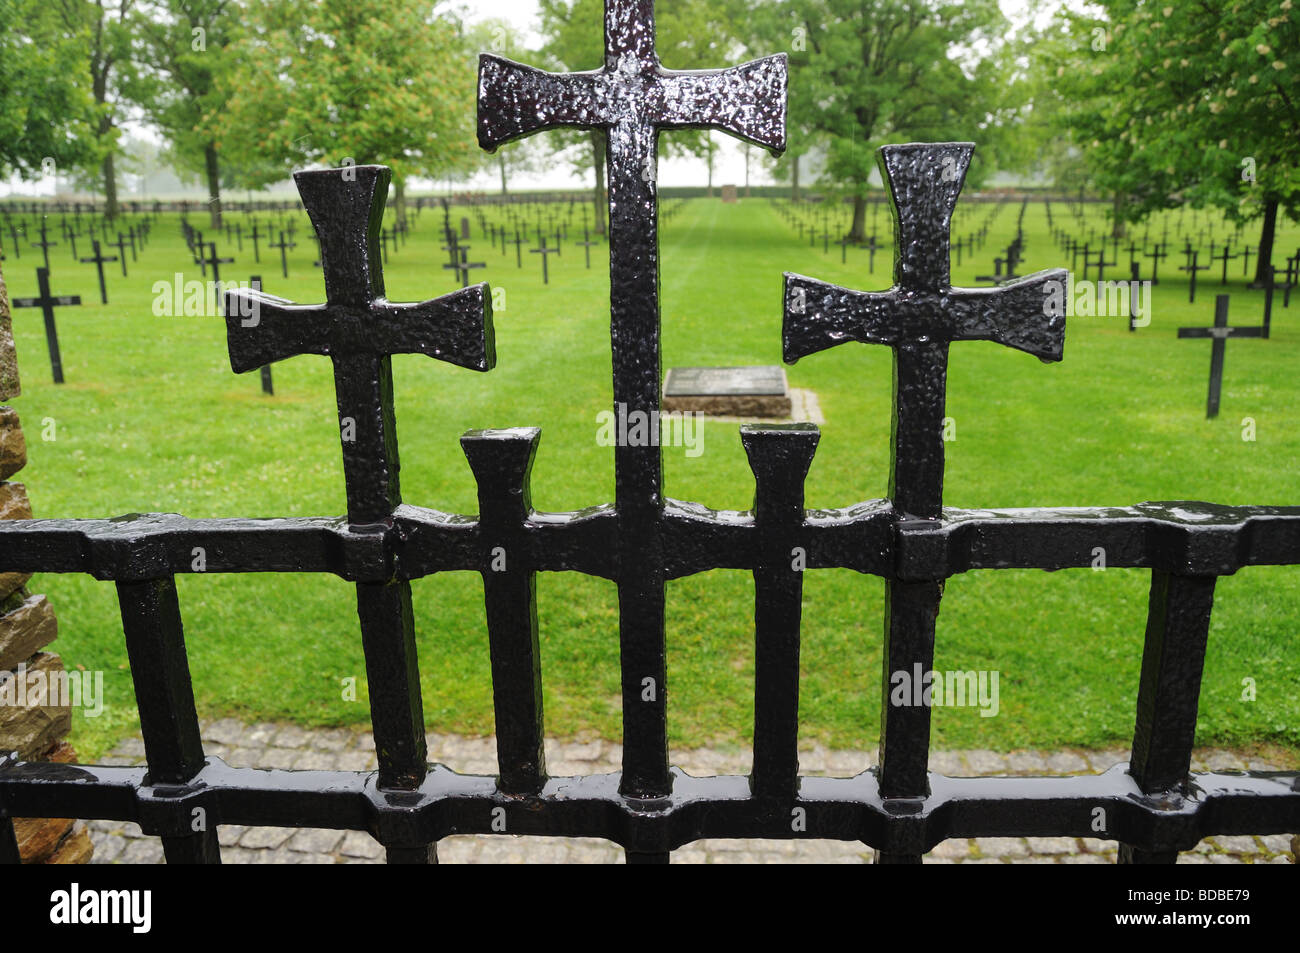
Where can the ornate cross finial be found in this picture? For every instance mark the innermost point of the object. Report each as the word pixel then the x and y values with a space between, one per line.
pixel 359 329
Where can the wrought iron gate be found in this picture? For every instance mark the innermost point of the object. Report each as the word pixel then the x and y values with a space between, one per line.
pixel 1152 805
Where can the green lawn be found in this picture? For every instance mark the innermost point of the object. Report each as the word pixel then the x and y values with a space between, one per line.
pixel 152 419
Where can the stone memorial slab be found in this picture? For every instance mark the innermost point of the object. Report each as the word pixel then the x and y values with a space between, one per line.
pixel 759 391
pixel 728 193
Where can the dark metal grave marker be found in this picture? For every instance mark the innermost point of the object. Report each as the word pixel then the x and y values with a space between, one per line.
pixel 45 244
pixel 120 245
pixel 1219 334
pixel 47 303
pixel 1192 268
pixel 284 245
pixel 99 260
pixel 545 253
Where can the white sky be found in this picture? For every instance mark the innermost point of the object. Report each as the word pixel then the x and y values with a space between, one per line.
pixel 729 167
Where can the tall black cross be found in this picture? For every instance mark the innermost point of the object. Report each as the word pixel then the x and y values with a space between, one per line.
pixel 519 241
pixel 359 330
pixel 45 244
pixel 546 253
pixel 631 98
pixel 120 245
pixel 1192 268
pixel 1156 254
pixel 918 318
pixel 1219 333
pixel 98 258
pixel 215 264
pixel 284 245
pixel 47 303
pixel 1225 257
pixel 586 242
pixel 255 235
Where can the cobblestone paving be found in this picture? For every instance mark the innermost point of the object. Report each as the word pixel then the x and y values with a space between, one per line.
pixel 268 745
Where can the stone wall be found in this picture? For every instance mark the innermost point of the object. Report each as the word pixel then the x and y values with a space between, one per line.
pixel 36 727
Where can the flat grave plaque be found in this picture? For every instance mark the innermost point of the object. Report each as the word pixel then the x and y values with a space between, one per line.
pixel 728 391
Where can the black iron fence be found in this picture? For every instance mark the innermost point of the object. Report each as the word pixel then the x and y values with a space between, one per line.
pixel 1153 805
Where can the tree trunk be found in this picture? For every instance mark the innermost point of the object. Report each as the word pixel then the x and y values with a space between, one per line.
pixel 1117 216
pixel 501 164
pixel 214 184
pixel 399 199
pixel 110 187
pixel 1266 233
pixel 598 160
pixel 858 233
pixel 794 180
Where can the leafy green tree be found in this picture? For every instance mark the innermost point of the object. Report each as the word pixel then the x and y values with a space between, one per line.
pixel 339 81
pixel 181 48
pixel 1177 103
pixel 876 71
pixel 105 27
pixel 46 112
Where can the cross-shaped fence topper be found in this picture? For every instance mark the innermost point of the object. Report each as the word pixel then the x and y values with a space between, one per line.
pixel 922 313
pixel 359 329
pixel 631 98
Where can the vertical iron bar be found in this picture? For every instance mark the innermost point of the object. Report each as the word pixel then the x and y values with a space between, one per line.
pixel 1173 659
pixel 779 457
pixel 169 723
pixel 502 461
pixel 368 429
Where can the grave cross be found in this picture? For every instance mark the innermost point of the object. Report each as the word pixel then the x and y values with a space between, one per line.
pixel 545 253
pixel 255 235
pixel 13 236
pixel 1157 254
pixel 586 242
pixel 120 245
pixel 1192 268
pixel 45 244
pixel 918 318
pixel 215 264
pixel 98 258
pixel 630 99
pixel 1219 333
pixel 47 303
pixel 519 241
pixel 1225 257
pixel 284 245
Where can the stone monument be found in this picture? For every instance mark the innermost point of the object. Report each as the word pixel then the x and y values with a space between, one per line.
pixel 759 391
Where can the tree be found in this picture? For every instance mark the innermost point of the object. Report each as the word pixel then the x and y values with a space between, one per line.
pixel 348 81
pixel 181 49
pixel 1189 103
pixel 105 27
pixel 893 70
pixel 46 112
